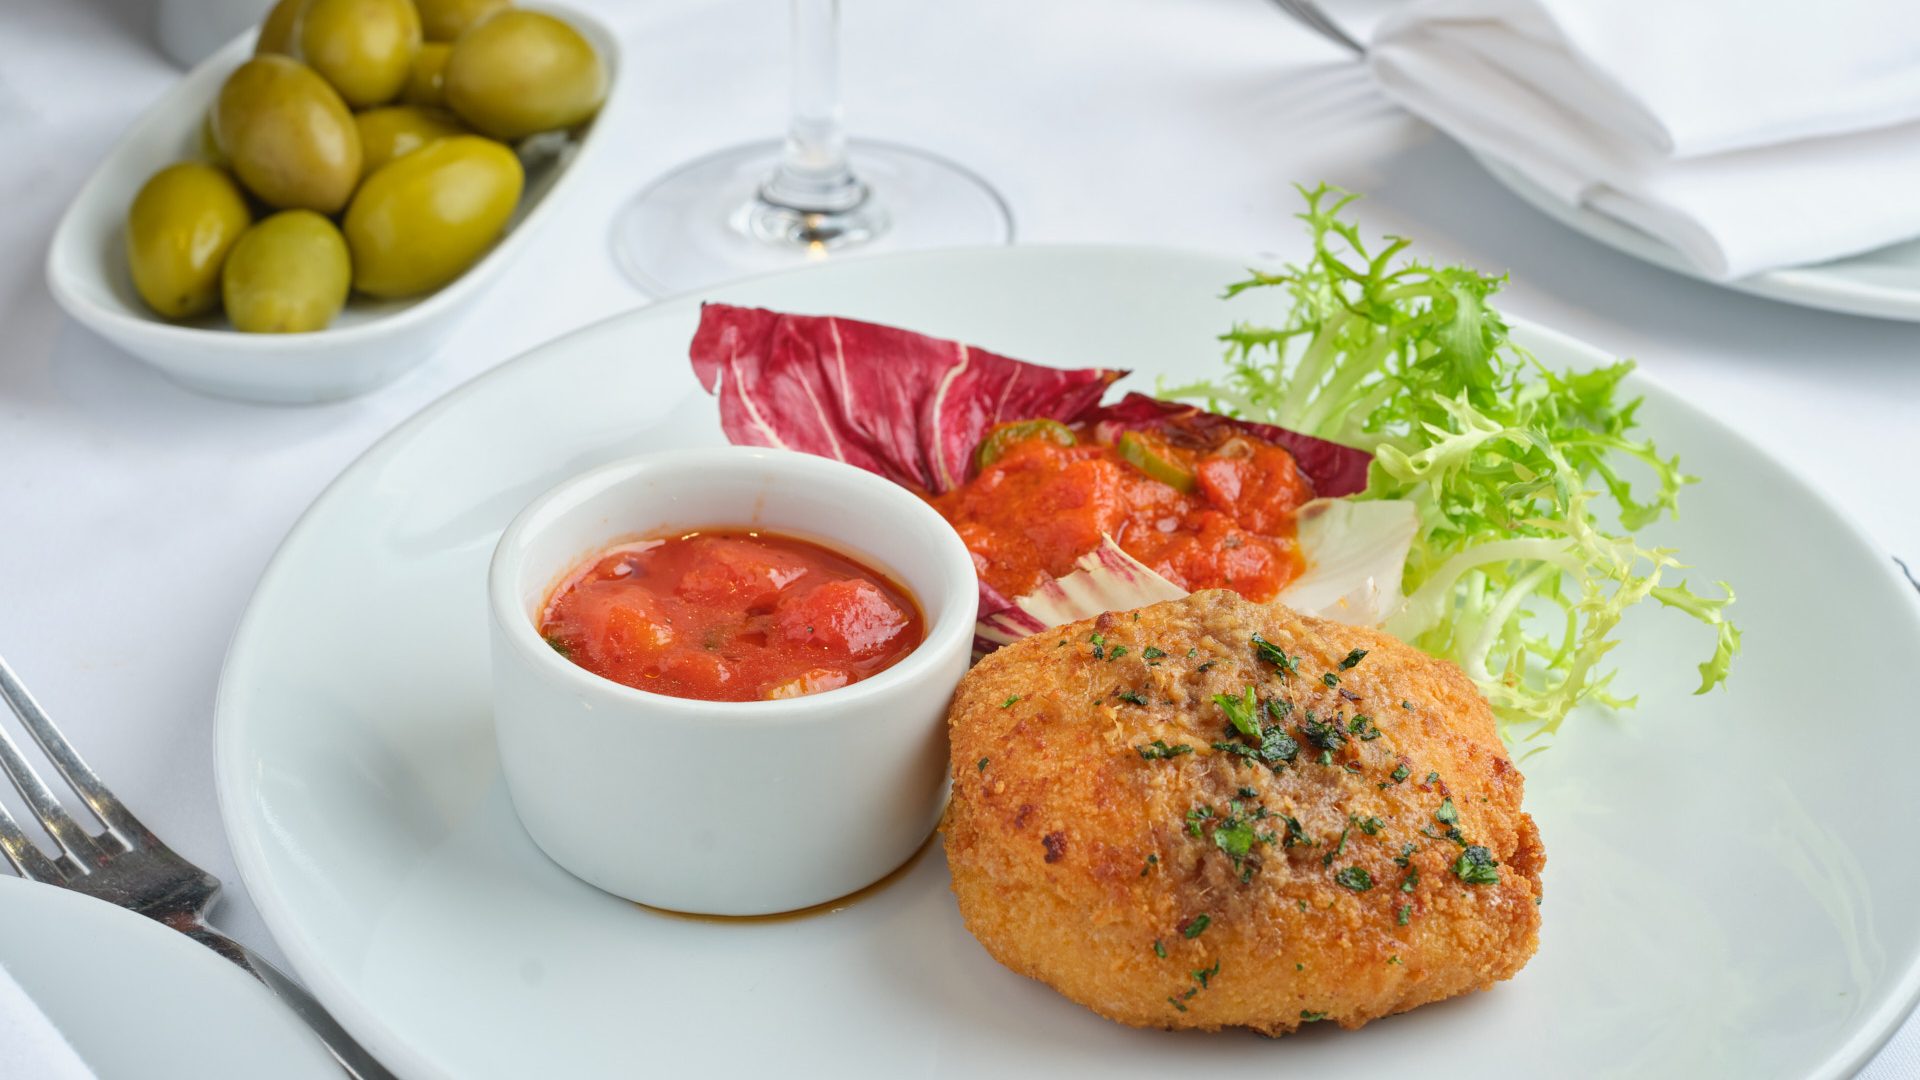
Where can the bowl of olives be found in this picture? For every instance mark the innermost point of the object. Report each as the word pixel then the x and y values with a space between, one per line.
pixel 307 214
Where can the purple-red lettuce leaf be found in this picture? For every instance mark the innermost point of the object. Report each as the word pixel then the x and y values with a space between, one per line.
pixel 913 408
pixel 909 407
pixel 1335 470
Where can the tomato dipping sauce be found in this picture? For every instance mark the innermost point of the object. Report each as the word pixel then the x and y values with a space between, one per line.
pixel 731 615
pixel 1203 516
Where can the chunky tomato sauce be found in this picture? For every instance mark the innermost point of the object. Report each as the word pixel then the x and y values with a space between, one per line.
pixel 1202 517
pixel 726 615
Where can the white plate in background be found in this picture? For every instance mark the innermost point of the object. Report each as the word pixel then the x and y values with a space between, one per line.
pixel 1884 283
pixel 137 1001
pixel 1728 891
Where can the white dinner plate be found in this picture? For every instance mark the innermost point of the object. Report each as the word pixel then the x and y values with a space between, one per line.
pixel 1731 885
pixel 137 1001
pixel 1884 283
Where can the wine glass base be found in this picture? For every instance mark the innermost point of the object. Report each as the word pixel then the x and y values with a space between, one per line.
pixel 706 221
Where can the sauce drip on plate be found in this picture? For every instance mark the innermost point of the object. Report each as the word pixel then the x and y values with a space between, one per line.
pixel 731 615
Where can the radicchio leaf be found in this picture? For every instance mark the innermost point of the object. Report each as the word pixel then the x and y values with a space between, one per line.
pixel 1335 470
pixel 912 408
pixel 1104 579
pixel 904 405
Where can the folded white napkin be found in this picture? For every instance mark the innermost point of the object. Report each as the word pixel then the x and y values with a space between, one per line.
pixel 1748 134
pixel 29 1043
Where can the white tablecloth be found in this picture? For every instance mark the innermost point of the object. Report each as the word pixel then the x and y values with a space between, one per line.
pixel 137 516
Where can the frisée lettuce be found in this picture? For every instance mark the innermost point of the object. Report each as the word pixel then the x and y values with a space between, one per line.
pixel 1530 484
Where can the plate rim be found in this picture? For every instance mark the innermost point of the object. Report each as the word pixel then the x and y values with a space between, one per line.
pixel 386 1042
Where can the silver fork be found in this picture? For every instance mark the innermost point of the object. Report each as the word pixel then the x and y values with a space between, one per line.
pixel 129 866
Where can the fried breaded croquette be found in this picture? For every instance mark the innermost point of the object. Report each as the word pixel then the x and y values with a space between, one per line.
pixel 1213 813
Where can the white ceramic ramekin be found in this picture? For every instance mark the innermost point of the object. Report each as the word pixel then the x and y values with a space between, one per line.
pixel 727 808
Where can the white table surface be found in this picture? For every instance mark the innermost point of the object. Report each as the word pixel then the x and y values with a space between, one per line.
pixel 138 515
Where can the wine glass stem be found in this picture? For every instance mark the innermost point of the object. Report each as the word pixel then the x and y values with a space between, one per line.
pixel 814 176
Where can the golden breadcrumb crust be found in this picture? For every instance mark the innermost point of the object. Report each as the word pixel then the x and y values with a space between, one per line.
pixel 1078 861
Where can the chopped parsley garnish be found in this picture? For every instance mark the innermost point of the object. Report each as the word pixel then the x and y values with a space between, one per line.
pixel 1353 658
pixel 1008 704
pixel 1432 778
pixel 1412 879
pixel 1363 727
pixel 1099 646
pixel 1198 925
pixel 1400 774
pixel 1310 1016
pixel 1241 712
pixel 1241 750
pixel 1295 834
pixel 1281 708
pixel 1407 705
pixel 1405 916
pixel 1131 697
pixel 1235 838
pixel 1476 866
pixel 1151 653
pixel 1394 959
pixel 1151 859
pixel 1158 750
pixel 559 646
pixel 982 765
pixel 1248 793
pixel 1370 825
pixel 1330 679
pixel 1406 854
pixel 1191 653
pixel 1275 655
pixel 1204 668
pixel 1276 745
pixel 1326 757
pixel 1204 974
pixel 1323 734
pixel 1159 950
pixel 1195 816
pixel 1116 652
pixel 1176 1003
pixel 1327 859
pixel 1447 815
pixel 1355 878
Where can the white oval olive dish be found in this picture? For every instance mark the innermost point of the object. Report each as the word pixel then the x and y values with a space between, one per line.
pixel 370 343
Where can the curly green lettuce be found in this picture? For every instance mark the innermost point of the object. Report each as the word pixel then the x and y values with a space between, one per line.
pixel 1526 556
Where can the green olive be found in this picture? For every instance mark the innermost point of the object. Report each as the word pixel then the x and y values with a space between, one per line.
pixel 288 274
pixel 291 138
pixel 363 47
pixel 421 220
pixel 277 29
pixel 210 147
pixel 427 79
pixel 1001 437
pixel 521 72
pixel 392 130
pixel 179 230
pixel 445 20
